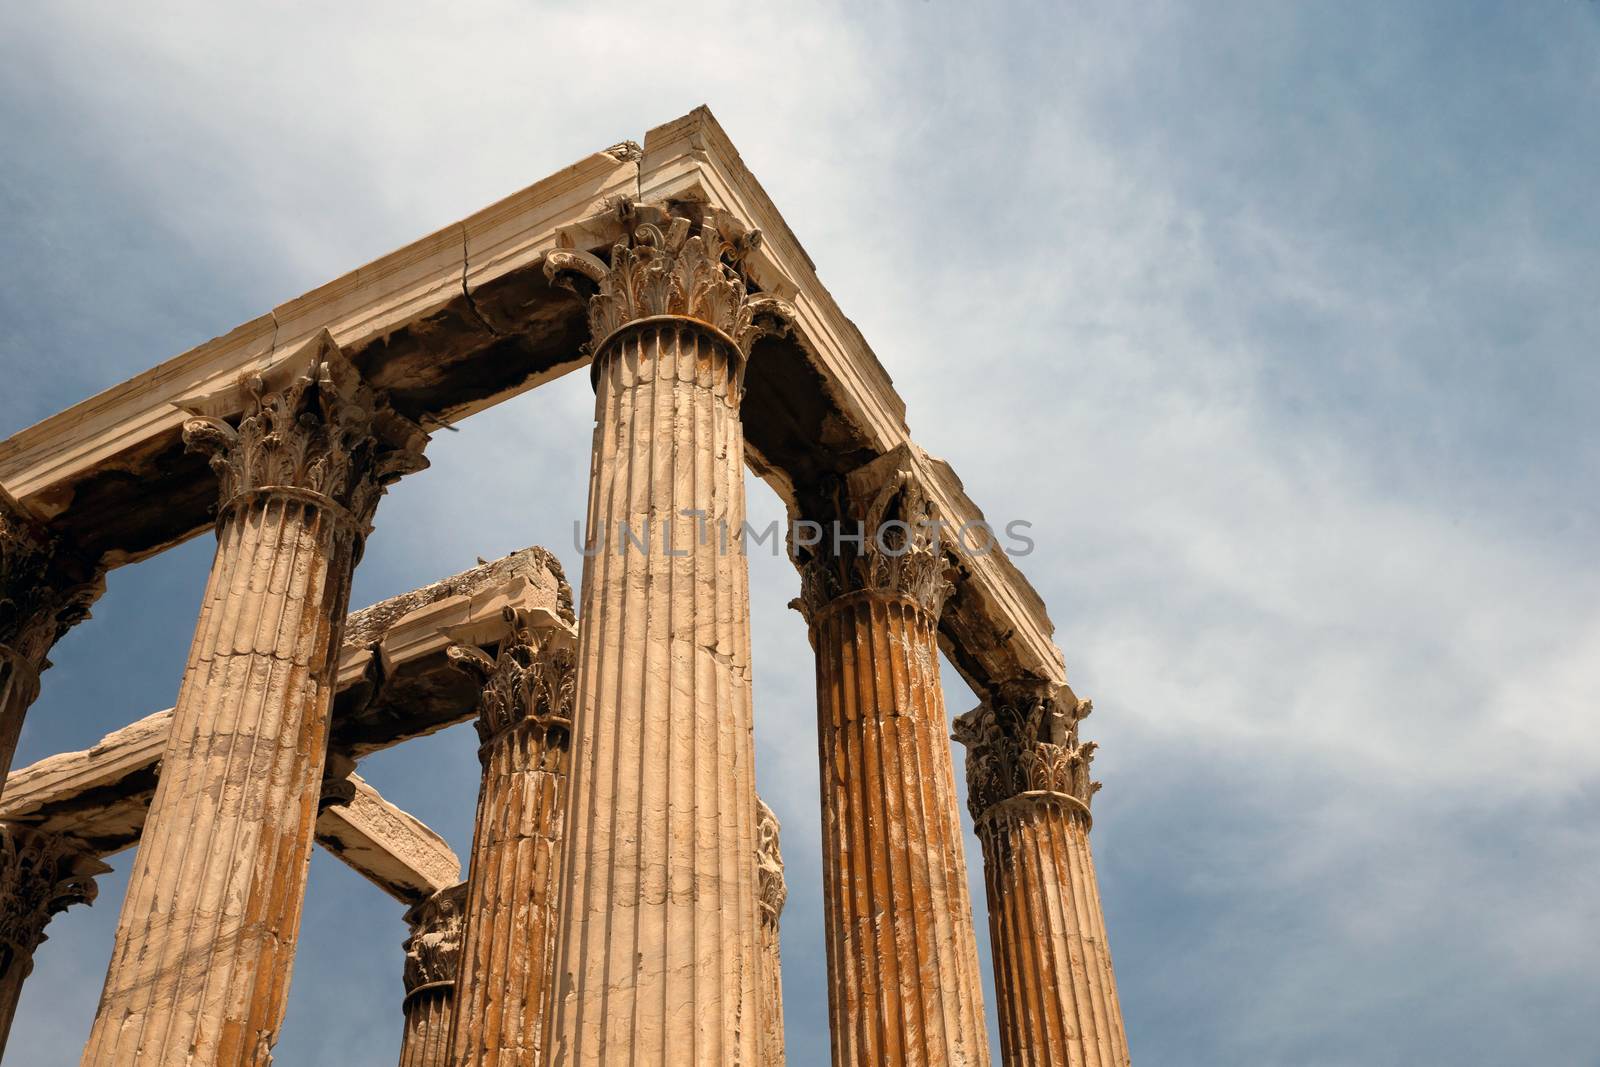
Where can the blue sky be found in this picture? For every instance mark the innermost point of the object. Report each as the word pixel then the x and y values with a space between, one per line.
pixel 1277 321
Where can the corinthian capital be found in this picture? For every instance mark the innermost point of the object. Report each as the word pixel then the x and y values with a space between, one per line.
pixel 310 427
pixel 45 588
pixel 433 951
pixel 671 266
pixel 41 875
pixel 531 682
pixel 882 538
pixel 771 889
pixel 1024 741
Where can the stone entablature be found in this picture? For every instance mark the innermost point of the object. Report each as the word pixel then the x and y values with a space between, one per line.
pixel 396 680
pixel 428 324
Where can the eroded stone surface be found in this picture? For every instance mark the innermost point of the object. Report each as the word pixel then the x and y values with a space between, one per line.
pixel 387 846
pixel 1029 791
pixel 45 589
pixel 207 933
pixel 101 795
pixel 772 892
pixel 41 875
pixel 525 725
pixel 668 939
pixel 433 960
pixel 111 471
pixel 903 980
pixel 659 946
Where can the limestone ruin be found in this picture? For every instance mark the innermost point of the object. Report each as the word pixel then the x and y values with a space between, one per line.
pixel 622 896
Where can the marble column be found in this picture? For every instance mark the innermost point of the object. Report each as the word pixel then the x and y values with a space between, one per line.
pixel 433 957
pixel 659 945
pixel 772 892
pixel 45 588
pixel 41 875
pixel 1028 789
pixel 524 726
pixel 200 970
pixel 903 979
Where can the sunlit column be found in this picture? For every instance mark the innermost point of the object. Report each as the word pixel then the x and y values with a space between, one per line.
pixel 659 947
pixel 903 980
pixel 524 726
pixel 200 970
pixel 1028 789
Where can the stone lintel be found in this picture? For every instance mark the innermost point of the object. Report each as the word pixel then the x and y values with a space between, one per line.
pixel 465 318
pixel 392 849
pixel 396 682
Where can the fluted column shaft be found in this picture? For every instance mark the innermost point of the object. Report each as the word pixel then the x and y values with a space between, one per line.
pixel 507 967
pixel 1029 790
pixel 1055 992
pixel 658 956
pixel 41 875
pixel 433 957
pixel 659 943
pixel 428 1011
pixel 903 980
pixel 200 969
pixel 208 929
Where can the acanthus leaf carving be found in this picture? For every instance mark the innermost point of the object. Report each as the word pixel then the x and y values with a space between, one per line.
pixel 771 889
pixel 1024 740
pixel 669 265
pixel 41 875
pixel 433 951
pixel 532 680
pixel 324 432
pixel 885 540
pixel 46 588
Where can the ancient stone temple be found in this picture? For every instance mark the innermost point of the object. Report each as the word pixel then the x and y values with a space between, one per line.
pixel 622 899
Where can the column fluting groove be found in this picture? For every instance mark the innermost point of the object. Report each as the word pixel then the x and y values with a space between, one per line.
pixel 658 958
pixel 524 725
pixel 1029 791
pixel 903 978
pixel 205 941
